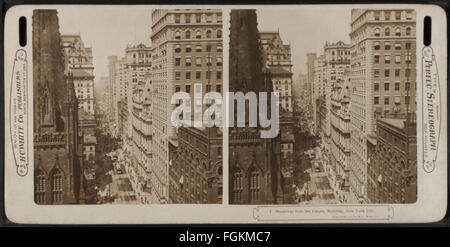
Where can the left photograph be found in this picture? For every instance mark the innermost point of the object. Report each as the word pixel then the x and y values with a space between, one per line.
pixel 112 106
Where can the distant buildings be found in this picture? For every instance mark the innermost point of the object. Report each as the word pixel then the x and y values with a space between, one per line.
pixel 58 154
pixel 80 64
pixel 383 69
pixel 360 92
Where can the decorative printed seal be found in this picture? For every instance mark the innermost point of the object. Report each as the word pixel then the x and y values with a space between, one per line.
pixel 18 114
pixel 431 100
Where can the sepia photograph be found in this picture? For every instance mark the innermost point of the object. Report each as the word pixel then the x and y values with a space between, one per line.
pixel 225 114
pixel 346 84
pixel 102 106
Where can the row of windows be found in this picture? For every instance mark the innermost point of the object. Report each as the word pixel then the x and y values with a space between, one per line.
pixel 197 18
pixel 387 46
pixel 376 86
pixel 56 183
pixel 198 75
pixel 387 72
pixel 376 100
pixel 397 32
pixel 198 34
pixel 208 89
pixel 198 61
pixel 198 48
pixel 387 59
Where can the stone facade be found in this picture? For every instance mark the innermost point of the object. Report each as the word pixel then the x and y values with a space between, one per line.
pixel 58 157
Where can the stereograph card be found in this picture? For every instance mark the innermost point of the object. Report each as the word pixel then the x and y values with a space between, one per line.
pixel 225 114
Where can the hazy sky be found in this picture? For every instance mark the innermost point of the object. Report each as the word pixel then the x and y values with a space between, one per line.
pixel 107 29
pixel 306 29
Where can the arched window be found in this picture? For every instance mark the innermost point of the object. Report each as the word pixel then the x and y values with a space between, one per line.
pixel 219 34
pixel 237 185
pixel 254 184
pixel 398 32
pixel 387 32
pixel 377 32
pixel 177 35
pixel 198 34
pixel 188 34
pixel 40 183
pixel 57 187
pixel 208 34
pixel 408 31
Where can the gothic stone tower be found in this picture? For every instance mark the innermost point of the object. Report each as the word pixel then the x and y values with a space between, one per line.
pixel 57 152
pixel 254 172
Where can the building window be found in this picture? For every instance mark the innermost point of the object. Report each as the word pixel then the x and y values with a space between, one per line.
pixel 376 87
pixel 397 86
pixel 387 32
pixel 376 100
pixel 397 72
pixel 188 62
pixel 188 34
pixel 219 88
pixel 408 31
pixel 219 75
pixel 407 72
pixel 57 187
pixel 177 35
pixel 188 88
pixel 177 19
pixel 208 48
pixel 219 61
pixel 208 74
pixel 237 186
pixel 208 88
pixel 177 61
pixel 198 48
pixel 254 184
pixel 398 32
pixel 198 34
pixel 377 32
pixel 40 183
pixel 397 59
pixel 386 73
pixel 386 100
pixel 407 86
pixel 198 18
pixel 198 75
pixel 408 46
pixel 177 48
pixel 377 46
pixel 219 48
pixel 208 34
pixel 177 75
pixel 188 75
pixel 386 86
pixel 188 48
pixel 219 34
pixel 376 73
pixel 177 88
pixel 407 98
pixel 387 45
pixel 408 58
pixel 387 59
pixel 376 59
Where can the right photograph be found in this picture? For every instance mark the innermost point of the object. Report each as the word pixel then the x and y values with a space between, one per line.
pixel 322 107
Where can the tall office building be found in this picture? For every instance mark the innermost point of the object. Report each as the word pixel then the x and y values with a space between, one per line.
pixel 187 49
pixel 81 66
pixel 383 69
